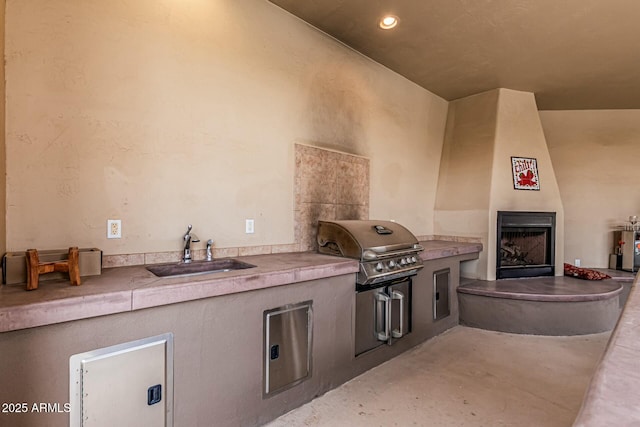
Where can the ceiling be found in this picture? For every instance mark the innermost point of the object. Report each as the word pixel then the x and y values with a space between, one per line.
pixel 573 54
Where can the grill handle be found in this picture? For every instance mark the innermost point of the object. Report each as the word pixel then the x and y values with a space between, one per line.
pixel 397 333
pixel 386 300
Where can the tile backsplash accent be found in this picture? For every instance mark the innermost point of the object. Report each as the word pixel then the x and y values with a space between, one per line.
pixel 328 185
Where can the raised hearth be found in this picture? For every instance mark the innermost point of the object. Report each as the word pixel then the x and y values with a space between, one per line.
pixel 525 244
pixel 542 306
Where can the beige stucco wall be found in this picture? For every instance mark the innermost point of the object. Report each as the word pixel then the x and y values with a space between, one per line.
pixel 3 157
pixel 483 132
pixel 595 155
pixel 165 113
pixel 464 184
pixel 519 133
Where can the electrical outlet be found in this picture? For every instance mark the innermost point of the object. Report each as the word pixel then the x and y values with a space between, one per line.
pixel 114 229
pixel 577 262
pixel 248 226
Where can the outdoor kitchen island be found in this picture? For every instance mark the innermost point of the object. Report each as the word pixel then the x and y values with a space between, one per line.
pixel 217 324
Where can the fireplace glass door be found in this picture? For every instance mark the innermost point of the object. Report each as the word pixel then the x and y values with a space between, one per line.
pixel 525 244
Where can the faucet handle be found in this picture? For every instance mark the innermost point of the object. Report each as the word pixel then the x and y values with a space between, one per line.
pixel 187 234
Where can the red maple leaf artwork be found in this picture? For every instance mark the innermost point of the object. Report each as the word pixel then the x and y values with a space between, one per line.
pixel 526 180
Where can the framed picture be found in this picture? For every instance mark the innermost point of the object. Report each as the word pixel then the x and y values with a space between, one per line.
pixel 525 173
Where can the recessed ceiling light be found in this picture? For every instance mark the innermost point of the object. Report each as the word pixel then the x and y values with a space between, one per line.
pixel 388 22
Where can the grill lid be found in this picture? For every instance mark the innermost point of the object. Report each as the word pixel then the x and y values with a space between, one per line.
pixel 364 239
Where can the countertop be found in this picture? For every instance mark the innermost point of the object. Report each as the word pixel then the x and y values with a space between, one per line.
pixel 612 396
pixel 558 288
pixel 123 289
pixel 435 249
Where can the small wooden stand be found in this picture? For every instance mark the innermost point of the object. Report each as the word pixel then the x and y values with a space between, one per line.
pixel 35 268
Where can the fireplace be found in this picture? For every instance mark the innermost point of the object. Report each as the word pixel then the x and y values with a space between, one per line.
pixel 525 244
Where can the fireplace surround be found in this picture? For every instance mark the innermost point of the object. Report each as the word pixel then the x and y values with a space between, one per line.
pixel 525 244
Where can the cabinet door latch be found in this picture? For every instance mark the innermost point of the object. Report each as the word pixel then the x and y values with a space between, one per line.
pixel 154 394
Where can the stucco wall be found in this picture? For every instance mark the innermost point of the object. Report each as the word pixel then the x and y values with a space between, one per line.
pixel 595 155
pixel 519 133
pixel 483 132
pixel 164 113
pixel 464 184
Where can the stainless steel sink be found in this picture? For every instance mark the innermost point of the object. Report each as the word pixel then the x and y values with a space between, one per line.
pixel 198 267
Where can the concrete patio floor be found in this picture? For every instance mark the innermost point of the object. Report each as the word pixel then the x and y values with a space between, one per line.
pixel 465 377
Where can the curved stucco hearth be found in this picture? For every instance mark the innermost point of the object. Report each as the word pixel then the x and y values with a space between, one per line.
pixel 554 306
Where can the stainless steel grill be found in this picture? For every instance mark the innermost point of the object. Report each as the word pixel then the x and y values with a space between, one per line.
pixel 387 251
pixel 388 255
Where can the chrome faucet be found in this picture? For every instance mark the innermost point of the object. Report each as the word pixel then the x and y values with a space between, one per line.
pixel 188 238
pixel 209 254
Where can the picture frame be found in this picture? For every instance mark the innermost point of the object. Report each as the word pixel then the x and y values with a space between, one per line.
pixel 525 173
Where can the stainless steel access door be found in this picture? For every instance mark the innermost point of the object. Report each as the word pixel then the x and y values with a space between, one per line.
pixel 441 306
pixel 287 346
pixel 370 319
pixel 383 315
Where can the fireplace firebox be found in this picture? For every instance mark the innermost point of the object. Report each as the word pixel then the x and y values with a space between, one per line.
pixel 525 244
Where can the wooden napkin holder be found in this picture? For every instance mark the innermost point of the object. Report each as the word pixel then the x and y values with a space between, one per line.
pixel 35 268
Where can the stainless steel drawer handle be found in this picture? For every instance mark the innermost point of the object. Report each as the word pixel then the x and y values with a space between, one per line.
pixel 386 300
pixel 397 333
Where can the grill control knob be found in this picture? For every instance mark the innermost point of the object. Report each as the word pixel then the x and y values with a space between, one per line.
pixel 403 261
pixel 413 259
pixel 392 264
pixel 379 266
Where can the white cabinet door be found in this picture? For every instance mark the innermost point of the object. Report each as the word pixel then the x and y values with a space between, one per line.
pixel 125 385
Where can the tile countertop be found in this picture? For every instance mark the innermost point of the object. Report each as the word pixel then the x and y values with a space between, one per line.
pixel 123 289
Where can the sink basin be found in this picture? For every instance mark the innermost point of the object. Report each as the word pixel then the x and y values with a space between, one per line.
pixel 198 267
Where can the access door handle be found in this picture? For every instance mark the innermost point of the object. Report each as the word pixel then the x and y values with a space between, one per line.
pixel 154 394
pixel 384 298
pixel 397 333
